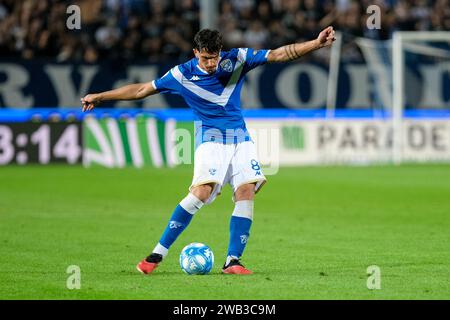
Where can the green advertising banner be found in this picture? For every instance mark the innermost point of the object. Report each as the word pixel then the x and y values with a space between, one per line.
pixel 141 141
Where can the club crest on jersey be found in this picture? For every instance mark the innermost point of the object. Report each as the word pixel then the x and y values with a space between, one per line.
pixel 227 65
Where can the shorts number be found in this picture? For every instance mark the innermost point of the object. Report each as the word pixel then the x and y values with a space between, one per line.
pixel 256 167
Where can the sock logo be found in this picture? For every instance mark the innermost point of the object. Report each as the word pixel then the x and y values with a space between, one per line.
pixel 175 224
pixel 244 239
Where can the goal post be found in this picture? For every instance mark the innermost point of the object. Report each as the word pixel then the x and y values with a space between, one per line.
pixel 400 38
pixel 333 75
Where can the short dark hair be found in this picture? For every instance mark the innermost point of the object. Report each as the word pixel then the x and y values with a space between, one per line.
pixel 208 40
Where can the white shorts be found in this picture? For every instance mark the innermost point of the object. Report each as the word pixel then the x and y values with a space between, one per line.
pixel 218 163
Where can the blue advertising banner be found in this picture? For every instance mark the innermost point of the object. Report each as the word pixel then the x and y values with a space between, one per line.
pixel 294 86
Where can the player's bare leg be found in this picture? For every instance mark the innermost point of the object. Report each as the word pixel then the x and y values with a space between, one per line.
pixel 240 224
pixel 180 219
pixel 203 192
pixel 245 192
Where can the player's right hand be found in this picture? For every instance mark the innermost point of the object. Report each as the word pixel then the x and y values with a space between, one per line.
pixel 90 101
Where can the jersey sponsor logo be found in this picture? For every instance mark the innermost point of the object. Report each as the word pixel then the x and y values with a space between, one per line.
pixel 175 224
pixel 194 78
pixel 226 65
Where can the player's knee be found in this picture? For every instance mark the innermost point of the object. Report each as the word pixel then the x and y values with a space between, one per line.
pixel 245 192
pixel 203 192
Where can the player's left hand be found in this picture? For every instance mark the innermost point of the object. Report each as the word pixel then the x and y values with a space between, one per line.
pixel 326 37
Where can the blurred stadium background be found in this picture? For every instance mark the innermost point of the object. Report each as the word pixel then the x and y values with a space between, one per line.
pixel 392 85
pixel 379 96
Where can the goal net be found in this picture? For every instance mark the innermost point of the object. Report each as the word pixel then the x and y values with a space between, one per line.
pixel 409 83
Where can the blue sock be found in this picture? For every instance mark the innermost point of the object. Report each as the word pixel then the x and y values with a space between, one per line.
pixel 180 219
pixel 178 222
pixel 239 233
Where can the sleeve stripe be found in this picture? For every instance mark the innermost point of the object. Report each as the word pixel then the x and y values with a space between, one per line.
pixel 242 54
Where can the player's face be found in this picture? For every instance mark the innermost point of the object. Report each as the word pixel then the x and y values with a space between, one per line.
pixel 207 61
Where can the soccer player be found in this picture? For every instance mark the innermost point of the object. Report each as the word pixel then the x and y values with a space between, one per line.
pixel 211 83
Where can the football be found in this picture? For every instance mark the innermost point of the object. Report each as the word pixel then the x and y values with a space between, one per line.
pixel 196 258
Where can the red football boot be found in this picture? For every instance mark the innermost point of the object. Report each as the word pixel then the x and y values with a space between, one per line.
pixel 149 264
pixel 235 267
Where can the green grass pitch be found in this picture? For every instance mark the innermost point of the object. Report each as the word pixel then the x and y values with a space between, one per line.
pixel 316 231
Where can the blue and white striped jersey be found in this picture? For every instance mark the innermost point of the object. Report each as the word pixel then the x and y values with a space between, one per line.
pixel 214 98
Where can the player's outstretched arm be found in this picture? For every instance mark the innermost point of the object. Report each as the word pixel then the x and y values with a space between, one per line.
pixel 296 50
pixel 130 92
